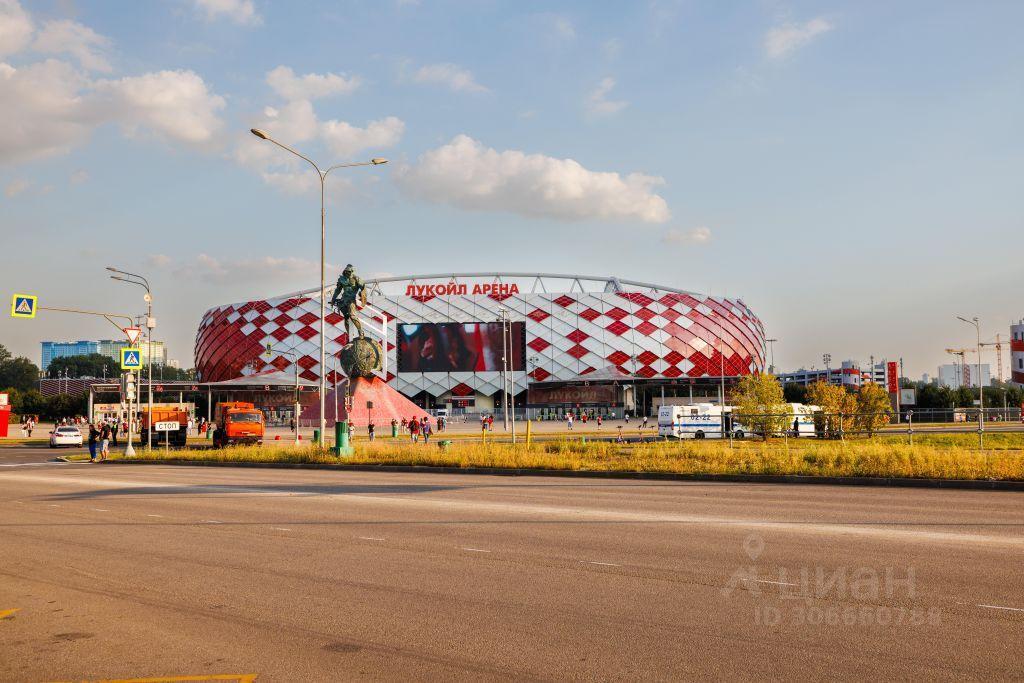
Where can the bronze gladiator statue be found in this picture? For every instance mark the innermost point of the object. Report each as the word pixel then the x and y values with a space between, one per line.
pixel 349 297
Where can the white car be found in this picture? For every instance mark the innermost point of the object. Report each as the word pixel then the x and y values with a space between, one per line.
pixel 65 436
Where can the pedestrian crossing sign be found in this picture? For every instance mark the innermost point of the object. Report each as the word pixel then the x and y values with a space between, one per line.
pixel 131 358
pixel 23 306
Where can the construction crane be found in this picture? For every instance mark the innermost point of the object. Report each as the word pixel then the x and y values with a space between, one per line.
pixel 998 343
pixel 963 379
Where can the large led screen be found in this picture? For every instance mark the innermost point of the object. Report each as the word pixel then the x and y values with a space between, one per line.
pixel 457 347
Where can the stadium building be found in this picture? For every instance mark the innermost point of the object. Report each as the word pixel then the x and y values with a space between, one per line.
pixel 600 343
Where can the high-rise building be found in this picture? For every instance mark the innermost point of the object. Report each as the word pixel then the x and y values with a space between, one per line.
pixel 105 347
pixel 1017 353
pixel 955 375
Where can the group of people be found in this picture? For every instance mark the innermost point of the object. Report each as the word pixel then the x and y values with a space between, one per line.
pixel 101 435
pixel 417 428
pixel 27 426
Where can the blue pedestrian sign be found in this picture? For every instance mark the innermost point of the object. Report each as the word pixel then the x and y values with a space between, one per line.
pixel 23 306
pixel 131 358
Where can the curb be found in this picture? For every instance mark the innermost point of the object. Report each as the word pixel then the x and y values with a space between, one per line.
pixel 903 482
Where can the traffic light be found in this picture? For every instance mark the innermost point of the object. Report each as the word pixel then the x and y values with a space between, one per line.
pixel 129 386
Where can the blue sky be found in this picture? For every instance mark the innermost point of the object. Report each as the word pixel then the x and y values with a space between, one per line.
pixel 852 170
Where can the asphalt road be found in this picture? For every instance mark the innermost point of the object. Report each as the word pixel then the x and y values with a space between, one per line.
pixel 131 571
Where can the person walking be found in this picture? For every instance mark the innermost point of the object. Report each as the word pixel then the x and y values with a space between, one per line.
pixel 643 425
pixel 490 423
pixel 369 430
pixel 568 420
pixel 94 435
pixel 113 433
pixel 104 441
pixel 426 431
pixel 414 430
pixel 599 421
pixel 29 426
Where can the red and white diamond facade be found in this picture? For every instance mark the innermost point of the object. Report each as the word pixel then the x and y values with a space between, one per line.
pixel 574 326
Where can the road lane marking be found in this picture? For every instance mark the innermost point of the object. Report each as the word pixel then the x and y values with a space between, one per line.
pixel 1011 609
pixel 8 612
pixel 370 538
pixel 154 515
pixel 603 564
pixel 237 678
pixel 99 510
pixel 54 505
pixel 776 583
pixel 569 513
pixel 280 528
pixel 477 550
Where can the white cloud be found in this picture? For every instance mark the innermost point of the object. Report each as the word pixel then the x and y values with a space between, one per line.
pixel 598 102
pixel 261 269
pixel 467 174
pixel 16 187
pixel 345 140
pixel 45 110
pixel 241 12
pixel 451 76
pixel 297 122
pixel 176 104
pixel 782 40
pixel 311 86
pixel 160 261
pixel 15 27
pixel 700 235
pixel 557 27
pixel 80 176
pixel 81 42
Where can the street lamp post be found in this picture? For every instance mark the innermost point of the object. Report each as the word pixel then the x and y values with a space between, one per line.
pixel 826 358
pixel 504 365
pixel 981 385
pixel 134 279
pixel 263 135
pixel 771 346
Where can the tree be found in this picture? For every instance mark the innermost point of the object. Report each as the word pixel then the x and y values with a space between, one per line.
pixel 30 402
pixel 760 404
pixel 873 408
pixel 88 365
pixel 837 405
pixel 67 405
pixel 932 397
pixel 794 393
pixel 17 373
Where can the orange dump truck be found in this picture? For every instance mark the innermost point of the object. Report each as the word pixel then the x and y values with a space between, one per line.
pixel 237 423
pixel 161 419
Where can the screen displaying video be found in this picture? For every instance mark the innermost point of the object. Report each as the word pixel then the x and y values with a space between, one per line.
pixel 458 347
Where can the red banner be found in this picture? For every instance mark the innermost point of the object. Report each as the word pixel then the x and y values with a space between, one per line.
pixel 892 377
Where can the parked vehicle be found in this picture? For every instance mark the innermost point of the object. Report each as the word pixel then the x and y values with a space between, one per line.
pixel 175 438
pixel 65 436
pixel 238 423
pixel 697 421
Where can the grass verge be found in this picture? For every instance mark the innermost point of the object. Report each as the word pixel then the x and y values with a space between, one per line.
pixel 866 458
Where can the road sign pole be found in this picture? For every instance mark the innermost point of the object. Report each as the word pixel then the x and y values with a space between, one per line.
pixel 129 451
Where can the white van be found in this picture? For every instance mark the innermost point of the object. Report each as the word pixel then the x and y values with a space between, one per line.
pixel 697 421
pixel 803 420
